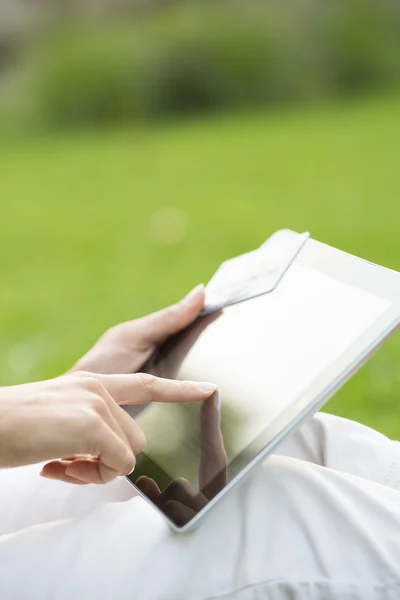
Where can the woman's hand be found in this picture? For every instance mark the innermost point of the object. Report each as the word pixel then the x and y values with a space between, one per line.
pixel 80 416
pixel 126 347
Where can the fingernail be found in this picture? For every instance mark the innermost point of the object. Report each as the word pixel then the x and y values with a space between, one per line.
pixel 192 294
pixel 206 388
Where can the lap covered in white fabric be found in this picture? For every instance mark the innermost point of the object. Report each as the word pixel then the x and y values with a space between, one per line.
pixel 319 521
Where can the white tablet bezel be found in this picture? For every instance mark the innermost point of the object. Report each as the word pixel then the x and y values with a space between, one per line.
pixel 346 268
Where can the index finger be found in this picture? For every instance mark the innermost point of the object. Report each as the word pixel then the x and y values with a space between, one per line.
pixel 142 388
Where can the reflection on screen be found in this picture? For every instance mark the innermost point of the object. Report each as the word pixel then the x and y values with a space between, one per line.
pixel 263 354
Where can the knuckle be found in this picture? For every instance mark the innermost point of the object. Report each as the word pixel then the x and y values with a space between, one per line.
pixel 173 311
pixel 139 441
pixel 93 423
pixel 129 464
pixel 91 384
pixel 123 333
pixel 147 381
pixel 181 386
pixel 81 374
pixel 98 405
pixel 115 331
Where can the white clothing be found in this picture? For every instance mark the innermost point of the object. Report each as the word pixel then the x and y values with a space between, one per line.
pixel 320 521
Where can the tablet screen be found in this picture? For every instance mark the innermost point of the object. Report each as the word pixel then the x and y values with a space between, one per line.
pixel 263 354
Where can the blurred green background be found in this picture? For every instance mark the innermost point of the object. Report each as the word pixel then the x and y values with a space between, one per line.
pixel 139 151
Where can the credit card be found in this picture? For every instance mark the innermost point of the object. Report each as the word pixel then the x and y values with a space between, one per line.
pixel 254 273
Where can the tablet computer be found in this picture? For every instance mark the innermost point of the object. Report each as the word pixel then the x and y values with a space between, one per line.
pixel 277 357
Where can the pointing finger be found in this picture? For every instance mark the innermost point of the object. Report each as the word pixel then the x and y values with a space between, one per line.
pixel 142 388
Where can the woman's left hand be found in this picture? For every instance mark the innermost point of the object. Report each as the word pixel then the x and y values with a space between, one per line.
pixel 126 347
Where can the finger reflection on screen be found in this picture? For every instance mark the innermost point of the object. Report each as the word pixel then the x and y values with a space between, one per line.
pixel 213 458
pixel 181 499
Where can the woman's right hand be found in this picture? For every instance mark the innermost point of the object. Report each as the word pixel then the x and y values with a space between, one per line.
pixel 80 415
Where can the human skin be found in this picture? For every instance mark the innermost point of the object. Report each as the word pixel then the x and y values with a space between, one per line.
pixel 78 416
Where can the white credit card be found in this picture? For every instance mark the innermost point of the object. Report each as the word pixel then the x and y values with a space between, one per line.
pixel 254 273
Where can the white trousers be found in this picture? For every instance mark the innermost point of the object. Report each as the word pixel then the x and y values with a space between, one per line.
pixel 322 520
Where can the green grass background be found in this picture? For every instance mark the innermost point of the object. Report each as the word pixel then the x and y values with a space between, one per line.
pixel 76 243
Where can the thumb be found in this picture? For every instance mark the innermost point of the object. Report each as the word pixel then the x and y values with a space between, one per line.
pixel 157 327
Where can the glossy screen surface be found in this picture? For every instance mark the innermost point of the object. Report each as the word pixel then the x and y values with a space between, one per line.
pixel 263 354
